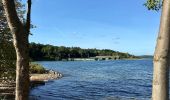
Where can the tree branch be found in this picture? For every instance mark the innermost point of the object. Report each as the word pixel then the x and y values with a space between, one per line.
pixel 28 20
pixel 11 15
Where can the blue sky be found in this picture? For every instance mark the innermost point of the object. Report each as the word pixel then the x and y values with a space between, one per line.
pixel 121 25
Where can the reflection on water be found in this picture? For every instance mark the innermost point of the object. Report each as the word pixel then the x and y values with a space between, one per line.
pixel 98 80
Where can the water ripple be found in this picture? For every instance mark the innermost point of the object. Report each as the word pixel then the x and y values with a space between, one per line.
pixel 98 80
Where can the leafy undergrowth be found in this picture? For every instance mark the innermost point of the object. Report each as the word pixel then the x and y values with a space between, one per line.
pixel 37 69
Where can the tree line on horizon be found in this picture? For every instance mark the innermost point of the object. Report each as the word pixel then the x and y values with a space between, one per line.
pixel 41 52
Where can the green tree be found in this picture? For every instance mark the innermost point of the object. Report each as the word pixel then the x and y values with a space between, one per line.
pixel 160 85
pixel 5 45
pixel 153 4
pixel 20 30
pixel 40 52
pixel 7 51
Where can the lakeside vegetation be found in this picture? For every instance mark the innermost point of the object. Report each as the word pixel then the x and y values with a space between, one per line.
pixel 41 52
pixel 38 76
pixel 37 69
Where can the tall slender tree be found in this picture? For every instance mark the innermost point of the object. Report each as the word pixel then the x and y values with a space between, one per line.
pixel 20 32
pixel 160 85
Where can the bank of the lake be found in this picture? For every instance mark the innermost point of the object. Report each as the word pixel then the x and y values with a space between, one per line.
pixel 45 77
pixel 98 80
pixel 7 87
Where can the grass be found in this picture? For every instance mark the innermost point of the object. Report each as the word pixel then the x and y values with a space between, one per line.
pixel 37 69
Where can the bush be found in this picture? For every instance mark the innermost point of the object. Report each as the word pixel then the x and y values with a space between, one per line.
pixel 36 69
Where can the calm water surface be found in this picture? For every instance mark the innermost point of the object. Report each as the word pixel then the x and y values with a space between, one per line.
pixel 98 80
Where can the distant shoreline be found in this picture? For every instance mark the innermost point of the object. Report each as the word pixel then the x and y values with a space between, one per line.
pixel 93 59
pixel 48 52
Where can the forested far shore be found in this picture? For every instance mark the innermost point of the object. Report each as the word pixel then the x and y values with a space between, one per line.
pixel 42 52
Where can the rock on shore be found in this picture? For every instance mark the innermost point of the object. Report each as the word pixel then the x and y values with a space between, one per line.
pixel 51 75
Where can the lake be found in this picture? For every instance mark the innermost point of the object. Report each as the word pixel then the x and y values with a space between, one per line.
pixel 98 80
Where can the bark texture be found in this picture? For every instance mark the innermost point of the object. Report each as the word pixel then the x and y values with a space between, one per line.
pixel 20 32
pixel 160 89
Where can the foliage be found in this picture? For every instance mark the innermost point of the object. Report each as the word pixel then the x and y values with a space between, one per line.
pixel 7 51
pixel 7 60
pixel 36 68
pixel 154 4
pixel 40 52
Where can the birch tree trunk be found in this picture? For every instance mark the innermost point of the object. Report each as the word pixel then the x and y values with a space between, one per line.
pixel 20 32
pixel 160 89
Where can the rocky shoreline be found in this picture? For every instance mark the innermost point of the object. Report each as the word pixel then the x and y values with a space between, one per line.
pixel 51 75
pixel 41 79
pixel 8 88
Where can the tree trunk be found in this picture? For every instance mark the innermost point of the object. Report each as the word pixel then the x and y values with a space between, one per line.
pixel 20 34
pixel 22 66
pixel 160 89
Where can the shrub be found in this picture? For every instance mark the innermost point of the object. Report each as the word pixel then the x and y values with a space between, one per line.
pixel 36 68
